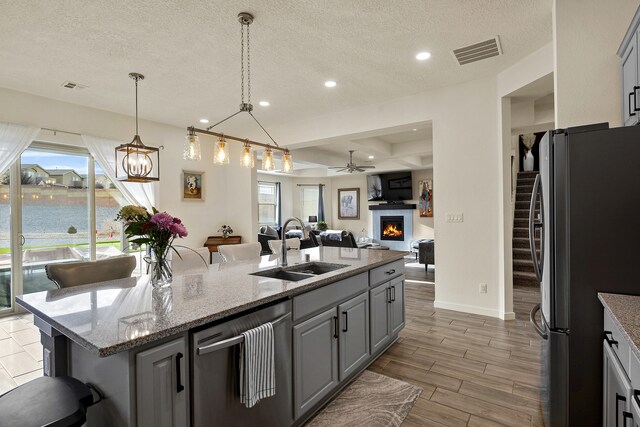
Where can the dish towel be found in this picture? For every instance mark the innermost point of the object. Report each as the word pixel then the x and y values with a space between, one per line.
pixel 257 365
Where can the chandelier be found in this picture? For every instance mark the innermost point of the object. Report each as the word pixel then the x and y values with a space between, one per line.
pixel 192 150
pixel 136 162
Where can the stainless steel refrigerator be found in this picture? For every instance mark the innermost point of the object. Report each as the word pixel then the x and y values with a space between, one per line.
pixel 586 208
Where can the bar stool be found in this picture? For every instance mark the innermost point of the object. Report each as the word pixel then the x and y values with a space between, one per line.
pixel 48 401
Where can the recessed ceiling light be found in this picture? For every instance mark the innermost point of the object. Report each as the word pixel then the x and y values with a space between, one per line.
pixel 423 56
pixel 371 157
pixel 330 83
pixel 414 130
pixel 204 121
pixel 264 103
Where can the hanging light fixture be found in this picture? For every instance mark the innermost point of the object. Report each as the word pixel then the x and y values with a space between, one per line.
pixel 287 162
pixel 246 159
pixel 268 164
pixel 192 149
pixel 221 151
pixel 136 162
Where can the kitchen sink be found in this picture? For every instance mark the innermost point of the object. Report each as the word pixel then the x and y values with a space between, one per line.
pixel 298 272
pixel 282 274
pixel 315 268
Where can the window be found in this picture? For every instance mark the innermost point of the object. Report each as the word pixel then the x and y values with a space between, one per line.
pixel 308 201
pixel 268 203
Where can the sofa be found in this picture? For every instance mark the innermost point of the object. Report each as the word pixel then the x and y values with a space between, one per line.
pixel 344 240
pixel 426 253
pixel 269 233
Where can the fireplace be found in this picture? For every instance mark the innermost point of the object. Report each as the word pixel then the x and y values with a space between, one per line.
pixel 392 228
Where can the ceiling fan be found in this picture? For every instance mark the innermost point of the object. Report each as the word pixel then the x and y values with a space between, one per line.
pixel 351 167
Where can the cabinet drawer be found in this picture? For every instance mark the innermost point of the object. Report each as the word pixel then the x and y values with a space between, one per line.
pixel 328 296
pixel 621 349
pixel 386 272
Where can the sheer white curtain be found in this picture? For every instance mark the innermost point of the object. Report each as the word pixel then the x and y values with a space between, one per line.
pixel 103 150
pixel 14 139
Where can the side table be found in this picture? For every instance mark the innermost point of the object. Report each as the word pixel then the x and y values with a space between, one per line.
pixel 213 242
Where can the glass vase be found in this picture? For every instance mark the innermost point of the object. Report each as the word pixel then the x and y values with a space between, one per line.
pixel 160 267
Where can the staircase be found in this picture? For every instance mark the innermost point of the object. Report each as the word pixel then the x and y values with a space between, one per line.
pixel 523 273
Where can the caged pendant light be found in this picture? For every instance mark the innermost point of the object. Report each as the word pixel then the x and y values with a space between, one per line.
pixel 136 162
pixel 221 149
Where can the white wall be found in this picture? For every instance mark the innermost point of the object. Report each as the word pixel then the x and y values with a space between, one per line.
pixel 228 197
pixel 587 34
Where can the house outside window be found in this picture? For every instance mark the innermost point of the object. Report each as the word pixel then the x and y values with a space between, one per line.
pixel 308 201
pixel 267 203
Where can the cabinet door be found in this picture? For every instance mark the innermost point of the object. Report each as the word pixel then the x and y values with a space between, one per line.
pixel 379 302
pixel 397 305
pixel 162 385
pixel 617 391
pixel 315 359
pixel 354 334
pixel 629 81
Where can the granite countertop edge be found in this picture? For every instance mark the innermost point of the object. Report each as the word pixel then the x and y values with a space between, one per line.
pixel 174 330
pixel 623 329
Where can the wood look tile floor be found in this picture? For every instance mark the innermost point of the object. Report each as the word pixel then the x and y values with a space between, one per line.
pixel 474 370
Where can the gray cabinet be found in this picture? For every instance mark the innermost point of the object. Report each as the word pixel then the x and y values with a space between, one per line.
pixel 397 305
pixel 162 385
pixel 315 360
pixel 617 391
pixel 630 83
pixel 353 342
pixel 387 312
pixel 379 302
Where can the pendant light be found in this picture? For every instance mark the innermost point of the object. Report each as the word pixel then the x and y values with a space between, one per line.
pixel 221 152
pixel 192 149
pixel 287 162
pixel 246 159
pixel 268 163
pixel 136 162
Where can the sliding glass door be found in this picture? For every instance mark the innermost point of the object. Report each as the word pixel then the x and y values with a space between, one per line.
pixel 56 206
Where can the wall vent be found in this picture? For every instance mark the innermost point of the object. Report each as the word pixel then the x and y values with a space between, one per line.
pixel 72 85
pixel 478 51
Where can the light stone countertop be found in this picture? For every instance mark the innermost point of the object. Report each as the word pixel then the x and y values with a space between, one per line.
pixel 110 317
pixel 625 311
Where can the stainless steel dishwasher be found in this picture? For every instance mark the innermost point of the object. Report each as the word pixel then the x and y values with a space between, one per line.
pixel 215 350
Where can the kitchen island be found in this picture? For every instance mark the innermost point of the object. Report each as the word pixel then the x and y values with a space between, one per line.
pixel 157 353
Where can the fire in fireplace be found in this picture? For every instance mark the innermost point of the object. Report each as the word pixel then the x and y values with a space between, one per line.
pixel 392 228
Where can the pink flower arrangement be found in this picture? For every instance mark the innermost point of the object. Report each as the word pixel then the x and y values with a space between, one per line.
pixel 158 231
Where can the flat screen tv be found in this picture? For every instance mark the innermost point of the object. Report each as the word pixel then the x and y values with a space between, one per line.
pixel 390 187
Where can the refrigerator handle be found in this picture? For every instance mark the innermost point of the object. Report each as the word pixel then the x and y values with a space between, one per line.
pixel 538 264
pixel 532 319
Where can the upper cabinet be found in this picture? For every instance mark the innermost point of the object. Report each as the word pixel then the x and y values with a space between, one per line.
pixel 628 53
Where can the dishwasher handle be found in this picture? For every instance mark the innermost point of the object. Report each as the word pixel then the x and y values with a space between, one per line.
pixel 231 341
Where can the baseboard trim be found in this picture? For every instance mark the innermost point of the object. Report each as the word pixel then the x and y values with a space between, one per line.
pixel 472 309
pixel 510 315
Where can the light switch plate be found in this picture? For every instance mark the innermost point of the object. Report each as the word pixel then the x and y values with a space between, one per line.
pixel 455 217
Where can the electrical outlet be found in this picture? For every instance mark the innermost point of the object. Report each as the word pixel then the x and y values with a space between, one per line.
pixel 483 288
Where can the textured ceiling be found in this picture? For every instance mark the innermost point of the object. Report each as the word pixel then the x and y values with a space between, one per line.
pixel 189 52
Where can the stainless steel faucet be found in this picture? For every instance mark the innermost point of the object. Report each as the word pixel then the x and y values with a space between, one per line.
pixel 283 261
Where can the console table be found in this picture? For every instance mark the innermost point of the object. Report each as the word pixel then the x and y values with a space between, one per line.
pixel 214 241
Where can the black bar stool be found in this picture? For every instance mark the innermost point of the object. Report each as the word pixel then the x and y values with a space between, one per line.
pixel 48 401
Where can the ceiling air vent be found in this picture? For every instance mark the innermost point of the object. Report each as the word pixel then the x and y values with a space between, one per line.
pixel 72 85
pixel 478 51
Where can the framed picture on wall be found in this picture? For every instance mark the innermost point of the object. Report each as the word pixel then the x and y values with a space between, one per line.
pixel 426 197
pixel 192 185
pixel 349 203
